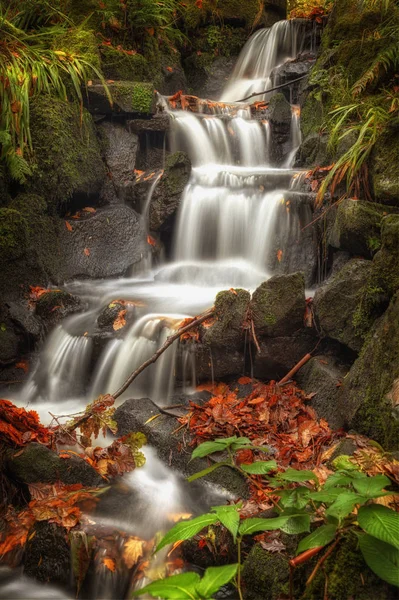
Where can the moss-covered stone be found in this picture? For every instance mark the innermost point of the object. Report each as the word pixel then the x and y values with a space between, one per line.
pixel 120 65
pixel 227 331
pixel 357 227
pixel 67 158
pixel 279 110
pixel 80 41
pixel 129 97
pixel 13 235
pixel 385 173
pixel 265 575
pixel 278 305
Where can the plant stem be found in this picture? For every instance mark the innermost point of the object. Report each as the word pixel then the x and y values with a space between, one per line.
pixel 239 567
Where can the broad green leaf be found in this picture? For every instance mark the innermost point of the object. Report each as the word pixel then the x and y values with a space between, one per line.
pixel 298 476
pixel 250 526
pixel 344 504
pixel 340 479
pixel 214 578
pixel 320 537
pixel 296 525
pixel 205 472
pixel 296 498
pixel 260 467
pixel 382 558
pixel 344 463
pixel 327 496
pixel 178 587
pixel 208 448
pixel 240 443
pixel 381 522
pixel 229 517
pixel 371 486
pixel 186 529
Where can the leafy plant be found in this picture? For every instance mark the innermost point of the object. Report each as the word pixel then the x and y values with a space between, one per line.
pixel 344 505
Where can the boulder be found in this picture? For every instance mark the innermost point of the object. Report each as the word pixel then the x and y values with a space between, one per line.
pixel 159 122
pixel 337 303
pixel 278 355
pixel 323 376
pixel 9 343
pixel 208 75
pixel 357 227
pixel 385 178
pixel 265 574
pixel 291 70
pixel 55 305
pixel 215 363
pixel 117 64
pixel 38 464
pixel 128 98
pixel 47 555
pixel 67 155
pixel 135 414
pixel 23 318
pixel 370 400
pixel 278 305
pixel 13 235
pixel 105 244
pixel 120 147
pixel 227 329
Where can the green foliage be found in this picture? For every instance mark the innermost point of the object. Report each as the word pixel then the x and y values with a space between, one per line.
pixel 382 558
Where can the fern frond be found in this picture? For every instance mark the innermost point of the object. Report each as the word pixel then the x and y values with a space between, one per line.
pixel 386 60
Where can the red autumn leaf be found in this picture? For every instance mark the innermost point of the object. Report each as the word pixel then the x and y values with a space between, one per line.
pixel 120 320
pixel 68 226
pixel 22 364
pixel 86 251
pixel 151 241
pixel 279 255
pixel 170 69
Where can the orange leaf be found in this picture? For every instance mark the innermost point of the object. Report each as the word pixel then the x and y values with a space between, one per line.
pixel 169 69
pixel 86 251
pixel 68 226
pixel 109 563
pixel 244 380
pixel 120 320
pixel 279 255
pixel 23 364
pixel 151 240
pixel 133 551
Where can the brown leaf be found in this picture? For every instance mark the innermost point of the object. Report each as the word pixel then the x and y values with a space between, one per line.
pixel 120 320
pixel 86 251
pixel 109 563
pixel 133 551
pixel 68 226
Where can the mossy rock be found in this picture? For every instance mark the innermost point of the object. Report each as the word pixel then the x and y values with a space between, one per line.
pixel 385 173
pixel 119 65
pixel 279 110
pixel 9 343
pixel 82 42
pixel 265 575
pixel 67 157
pixel 129 97
pixel 278 305
pixel 339 301
pixel 357 227
pixel 47 556
pixel 349 19
pixel 227 331
pixel 14 235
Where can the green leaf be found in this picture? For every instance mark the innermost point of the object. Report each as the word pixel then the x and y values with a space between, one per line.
pixel 381 522
pixel 326 496
pixel 205 472
pixel 186 529
pixel 214 578
pixel 208 448
pixel 371 486
pixel 344 463
pixel 298 476
pixel 344 504
pixel 340 479
pixel 178 587
pixel 382 558
pixel 320 537
pixel 260 467
pixel 229 517
pixel 296 498
pixel 250 526
pixel 296 525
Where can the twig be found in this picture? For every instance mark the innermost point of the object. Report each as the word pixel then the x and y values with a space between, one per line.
pixel 196 321
pixel 255 339
pixel 321 561
pixel 295 369
pixel 75 441
pixel 277 87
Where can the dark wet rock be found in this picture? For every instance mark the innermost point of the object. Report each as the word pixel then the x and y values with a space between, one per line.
pixel 208 75
pixel 120 147
pixel 133 415
pixel 278 355
pixel 215 363
pixel 279 115
pixel 386 261
pixel 357 227
pixel 23 318
pixel 338 301
pixel 104 244
pixel 370 393
pixel 129 98
pixel 55 305
pixel 290 71
pixel 323 376
pixel 47 555
pixel 339 260
pixel 227 330
pixel 39 464
pixel 167 194
pixel 9 343
pixel 159 122
pixel 314 151
pixel 265 574
pixel 279 110
pixel 173 78
pixel 106 318
pixel 384 173
pixel 278 305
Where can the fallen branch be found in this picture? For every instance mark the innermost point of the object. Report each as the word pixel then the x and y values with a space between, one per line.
pixel 295 369
pixel 169 341
pixel 277 87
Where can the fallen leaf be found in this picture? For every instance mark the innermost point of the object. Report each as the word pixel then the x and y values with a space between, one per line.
pixel 120 320
pixel 86 251
pixel 279 255
pixel 109 563
pixel 22 364
pixel 68 226
pixel 133 551
pixel 151 240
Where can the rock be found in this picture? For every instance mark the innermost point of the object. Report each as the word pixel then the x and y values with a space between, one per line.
pixel 167 194
pixel 323 376
pixel 47 555
pixel 55 305
pixel 385 178
pixel 105 244
pixel 207 80
pixel 67 153
pixel 133 415
pixel 357 227
pixel 120 146
pixel 9 344
pixel 289 71
pixel 278 305
pixel 13 235
pixel 264 574
pixel 369 402
pixel 314 151
pixel 279 110
pixel 24 319
pixel 118 65
pixel 214 363
pixel 386 261
pixel 128 98
pixel 279 115
pixel 158 122
pixel 338 301
pixel 339 259
pixel 278 355
pixel 227 330
pixel 39 464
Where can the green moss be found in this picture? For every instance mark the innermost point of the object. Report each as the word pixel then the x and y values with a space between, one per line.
pixel 14 235
pixel 385 177
pixel 67 158
pixel 117 64
pixel 80 41
pixel 265 574
pixel 143 98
